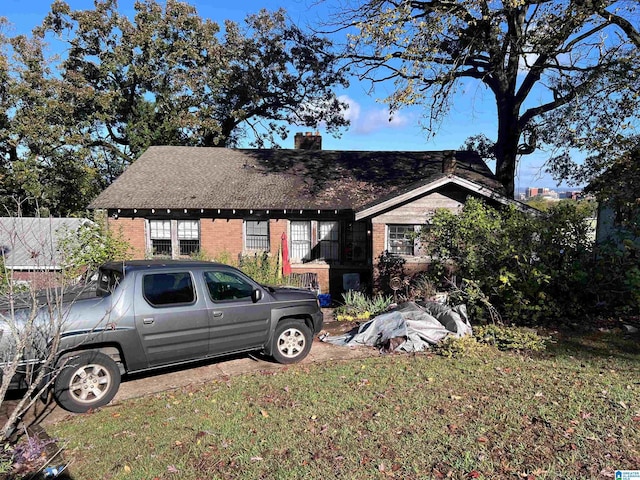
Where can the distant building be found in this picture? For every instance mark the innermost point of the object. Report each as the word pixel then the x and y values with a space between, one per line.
pixel 541 192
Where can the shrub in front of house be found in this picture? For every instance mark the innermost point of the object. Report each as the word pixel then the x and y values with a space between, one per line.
pixel 532 268
pixel 359 307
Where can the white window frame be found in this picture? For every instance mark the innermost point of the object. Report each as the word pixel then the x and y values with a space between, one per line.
pixel 159 230
pixel 173 230
pixel 249 227
pixel 189 232
pixel 329 240
pixel 389 240
pixel 300 240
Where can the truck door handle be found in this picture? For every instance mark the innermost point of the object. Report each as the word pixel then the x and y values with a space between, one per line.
pixel 147 321
pixel 217 314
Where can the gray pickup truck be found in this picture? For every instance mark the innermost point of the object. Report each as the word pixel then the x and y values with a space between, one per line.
pixel 151 314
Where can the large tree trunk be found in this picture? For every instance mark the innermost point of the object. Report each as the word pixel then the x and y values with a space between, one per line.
pixel 507 145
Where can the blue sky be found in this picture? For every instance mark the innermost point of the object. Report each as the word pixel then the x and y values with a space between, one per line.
pixel 472 113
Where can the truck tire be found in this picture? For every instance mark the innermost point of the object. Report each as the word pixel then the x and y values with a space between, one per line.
pixel 291 341
pixel 88 380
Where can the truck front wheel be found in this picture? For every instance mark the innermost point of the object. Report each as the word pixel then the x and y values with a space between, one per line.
pixel 88 380
pixel 291 341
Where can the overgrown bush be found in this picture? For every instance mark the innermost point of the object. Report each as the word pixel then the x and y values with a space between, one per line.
pixel 357 306
pixel 509 338
pixel 487 336
pixel 617 277
pixel 533 267
pixel 458 347
pixel 262 267
pixel 91 245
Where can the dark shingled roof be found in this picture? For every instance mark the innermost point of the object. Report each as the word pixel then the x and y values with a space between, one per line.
pixel 198 177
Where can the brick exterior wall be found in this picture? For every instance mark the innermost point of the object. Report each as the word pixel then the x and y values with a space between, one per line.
pixel 38 279
pixel 220 236
pixel 377 240
pixel 321 269
pixel 410 267
pixel 276 228
pixel 132 230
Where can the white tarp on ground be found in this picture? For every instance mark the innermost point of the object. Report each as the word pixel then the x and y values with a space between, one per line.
pixel 410 327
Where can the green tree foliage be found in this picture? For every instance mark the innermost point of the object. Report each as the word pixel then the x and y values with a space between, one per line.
pixel 39 158
pixel 5 277
pixel 619 188
pixel 91 245
pixel 605 125
pixel 168 76
pixel 532 267
pixel 533 56
pixel 71 123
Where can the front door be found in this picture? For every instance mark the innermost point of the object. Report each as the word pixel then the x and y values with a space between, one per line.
pixel 172 321
pixel 237 323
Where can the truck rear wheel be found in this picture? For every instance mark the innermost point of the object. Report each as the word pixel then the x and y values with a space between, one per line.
pixel 291 341
pixel 88 380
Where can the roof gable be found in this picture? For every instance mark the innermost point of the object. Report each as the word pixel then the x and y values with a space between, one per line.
pixel 421 188
pixel 199 177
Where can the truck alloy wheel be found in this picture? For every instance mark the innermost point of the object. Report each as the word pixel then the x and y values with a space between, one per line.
pixel 292 341
pixel 88 380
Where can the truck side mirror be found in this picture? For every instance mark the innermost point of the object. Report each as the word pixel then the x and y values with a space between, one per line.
pixel 256 295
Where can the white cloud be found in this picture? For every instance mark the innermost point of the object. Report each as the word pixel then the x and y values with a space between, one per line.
pixel 371 120
pixel 352 113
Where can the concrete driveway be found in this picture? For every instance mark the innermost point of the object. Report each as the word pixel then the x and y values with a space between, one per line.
pixel 199 373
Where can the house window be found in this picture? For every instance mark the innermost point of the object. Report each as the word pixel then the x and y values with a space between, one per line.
pixel 400 240
pixel 188 237
pixel 300 240
pixel 169 236
pixel 356 242
pixel 329 234
pixel 160 232
pixel 256 235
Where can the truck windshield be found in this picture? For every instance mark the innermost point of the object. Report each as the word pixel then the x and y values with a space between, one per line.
pixel 108 280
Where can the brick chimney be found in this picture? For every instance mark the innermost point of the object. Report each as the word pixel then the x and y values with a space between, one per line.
pixel 308 141
pixel 449 162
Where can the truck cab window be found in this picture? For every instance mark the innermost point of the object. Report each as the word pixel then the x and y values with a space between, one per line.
pixel 162 289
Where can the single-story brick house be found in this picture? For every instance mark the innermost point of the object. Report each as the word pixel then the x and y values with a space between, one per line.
pixel 340 210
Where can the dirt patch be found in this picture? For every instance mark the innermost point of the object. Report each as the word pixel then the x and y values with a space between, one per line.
pixel 338 328
pixel 333 327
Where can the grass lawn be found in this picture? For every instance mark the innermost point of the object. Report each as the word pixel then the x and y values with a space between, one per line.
pixel 572 412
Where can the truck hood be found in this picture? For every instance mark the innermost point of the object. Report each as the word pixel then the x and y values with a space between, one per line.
pixel 292 293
